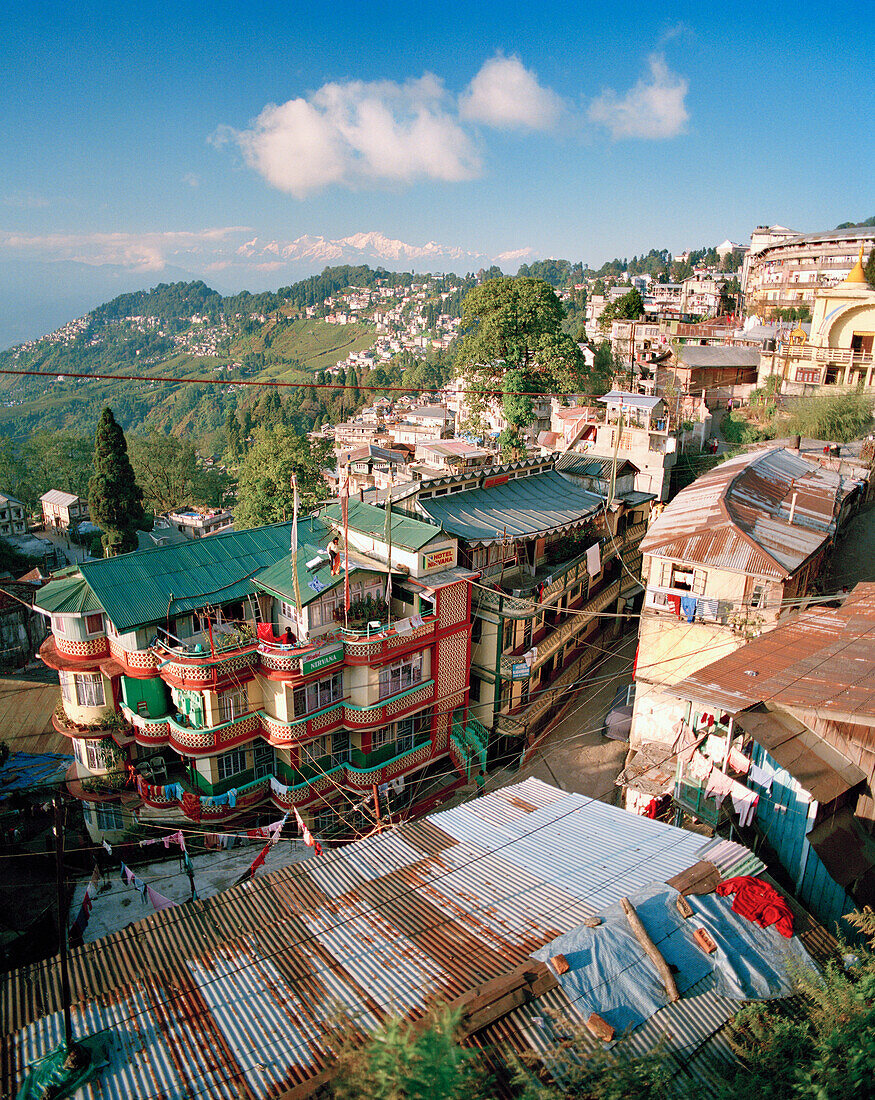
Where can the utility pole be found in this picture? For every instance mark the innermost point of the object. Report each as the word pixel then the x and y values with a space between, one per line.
pixel 377 808
pixel 75 1055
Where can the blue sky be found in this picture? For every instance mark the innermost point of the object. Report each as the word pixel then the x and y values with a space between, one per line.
pixel 212 137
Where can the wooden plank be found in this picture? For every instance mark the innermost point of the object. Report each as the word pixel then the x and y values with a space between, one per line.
pixel 651 949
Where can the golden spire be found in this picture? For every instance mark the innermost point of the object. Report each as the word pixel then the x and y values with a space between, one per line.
pixel 857 274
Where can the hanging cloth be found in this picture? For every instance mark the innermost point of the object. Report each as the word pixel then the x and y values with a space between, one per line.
pixel 593 560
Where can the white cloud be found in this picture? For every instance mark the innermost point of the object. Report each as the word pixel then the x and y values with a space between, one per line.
pixel 192 179
pixel 507 95
pixel 146 251
pixel 653 108
pixel 358 133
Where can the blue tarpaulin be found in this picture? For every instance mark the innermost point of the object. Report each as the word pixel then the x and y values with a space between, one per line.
pixel 24 769
pixel 611 974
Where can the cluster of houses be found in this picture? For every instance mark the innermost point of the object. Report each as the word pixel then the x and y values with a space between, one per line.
pixel 423 627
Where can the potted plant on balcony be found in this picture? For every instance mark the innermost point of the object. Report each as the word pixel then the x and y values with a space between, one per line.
pixel 363 611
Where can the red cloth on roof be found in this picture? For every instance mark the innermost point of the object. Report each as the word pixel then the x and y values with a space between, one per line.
pixel 265 632
pixel 758 902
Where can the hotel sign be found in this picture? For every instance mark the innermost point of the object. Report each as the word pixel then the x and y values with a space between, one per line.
pixel 520 671
pixel 332 655
pixel 439 557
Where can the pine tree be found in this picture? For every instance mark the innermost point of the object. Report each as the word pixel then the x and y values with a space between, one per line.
pixel 115 501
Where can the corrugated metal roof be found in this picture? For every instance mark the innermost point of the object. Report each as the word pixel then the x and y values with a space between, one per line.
pixel 241 988
pixel 522 507
pixel 693 355
pixel 821 660
pixel 633 400
pixel 815 765
pixel 67 596
pixel 407 532
pixel 737 516
pixel 587 466
pixel 58 496
pixel 147 586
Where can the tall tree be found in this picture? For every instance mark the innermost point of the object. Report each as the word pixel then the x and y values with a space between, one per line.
pixel 513 326
pixel 264 493
pixel 115 500
pixel 170 475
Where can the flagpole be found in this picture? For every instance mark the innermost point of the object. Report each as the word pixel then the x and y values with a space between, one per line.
pixel 387 534
pixel 297 588
pixel 62 923
pixel 345 511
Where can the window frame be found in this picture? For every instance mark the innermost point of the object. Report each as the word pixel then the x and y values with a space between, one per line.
pixel 400 675
pixel 230 701
pixel 237 755
pixel 317 695
pixel 91 632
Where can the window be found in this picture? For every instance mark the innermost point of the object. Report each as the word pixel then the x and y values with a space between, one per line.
pixel 319 694
pixel 83 689
pixel 96 755
pixel 311 752
pixel 232 704
pixel 381 737
pixel 59 625
pixel 94 624
pixel 288 611
pixel 322 610
pixel 474 693
pixel 400 675
pixel 107 818
pixel 231 763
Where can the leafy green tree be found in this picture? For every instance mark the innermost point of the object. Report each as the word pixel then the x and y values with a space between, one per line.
pixel 170 475
pixel 513 327
pixel 60 460
pixel 821 1045
pixel 115 500
pixel 627 308
pixel 264 491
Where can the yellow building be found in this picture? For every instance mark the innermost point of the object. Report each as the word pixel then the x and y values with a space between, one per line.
pixel 839 350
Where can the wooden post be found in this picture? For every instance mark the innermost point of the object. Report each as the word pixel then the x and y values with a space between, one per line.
pixel 651 949
pixel 377 808
pixel 62 921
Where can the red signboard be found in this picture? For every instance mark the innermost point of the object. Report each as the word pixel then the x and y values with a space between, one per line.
pixel 491 482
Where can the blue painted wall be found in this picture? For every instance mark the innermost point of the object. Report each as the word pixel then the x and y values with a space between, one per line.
pixel 785 831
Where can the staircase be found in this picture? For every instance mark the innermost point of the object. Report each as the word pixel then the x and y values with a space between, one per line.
pixel 469 742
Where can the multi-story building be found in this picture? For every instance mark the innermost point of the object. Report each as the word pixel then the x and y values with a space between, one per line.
pixel 61 510
pixel 633 428
pixel 551 557
pixel 196 525
pixel 729 557
pixel 207 680
pixel 783 270
pixel 13 520
pixel 839 348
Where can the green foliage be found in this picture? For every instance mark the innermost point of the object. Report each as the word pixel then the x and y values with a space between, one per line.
pixel 115 501
pixel 264 491
pixel 869 269
pixel 403 1062
pixel 170 475
pixel 514 327
pixel 628 308
pixel 738 430
pixel 796 313
pixel 857 225
pixel 819 1046
pixel 838 417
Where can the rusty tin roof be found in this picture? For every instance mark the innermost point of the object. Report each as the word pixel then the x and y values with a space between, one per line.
pixel 236 995
pixel 738 515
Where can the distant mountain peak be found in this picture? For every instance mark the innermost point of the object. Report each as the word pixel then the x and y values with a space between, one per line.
pixel 357 248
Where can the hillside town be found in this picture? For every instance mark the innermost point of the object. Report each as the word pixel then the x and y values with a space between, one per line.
pixel 542 696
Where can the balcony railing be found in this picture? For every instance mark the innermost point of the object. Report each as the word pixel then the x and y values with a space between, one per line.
pixel 579 618
pixel 841 357
pixel 197 806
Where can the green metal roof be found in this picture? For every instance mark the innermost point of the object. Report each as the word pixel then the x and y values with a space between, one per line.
pixel 523 507
pixel 313 537
pixel 407 533
pixel 69 595
pixel 147 586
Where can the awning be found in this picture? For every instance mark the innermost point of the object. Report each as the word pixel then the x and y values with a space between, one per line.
pixel 815 765
pixel 847 853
